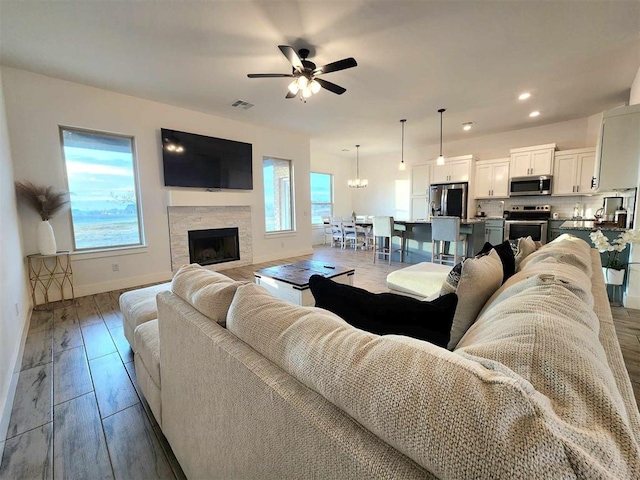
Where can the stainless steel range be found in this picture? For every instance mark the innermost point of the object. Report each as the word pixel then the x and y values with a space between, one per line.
pixel 527 220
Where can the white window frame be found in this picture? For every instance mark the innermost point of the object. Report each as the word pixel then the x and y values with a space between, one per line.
pixel 141 236
pixel 330 203
pixel 289 222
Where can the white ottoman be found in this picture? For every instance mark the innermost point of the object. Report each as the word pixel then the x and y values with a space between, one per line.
pixel 139 306
pixel 422 279
pixel 147 362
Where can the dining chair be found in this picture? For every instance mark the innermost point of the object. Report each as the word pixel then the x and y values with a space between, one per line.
pixel 352 234
pixel 447 230
pixel 383 233
pixel 327 231
pixel 337 234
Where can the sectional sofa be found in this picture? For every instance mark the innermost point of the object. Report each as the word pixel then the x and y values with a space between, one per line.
pixel 248 386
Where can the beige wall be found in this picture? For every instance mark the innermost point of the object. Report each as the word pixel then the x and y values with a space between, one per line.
pixel 37 104
pixel 14 296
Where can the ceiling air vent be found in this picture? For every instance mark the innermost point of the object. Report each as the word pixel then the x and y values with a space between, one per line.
pixel 242 104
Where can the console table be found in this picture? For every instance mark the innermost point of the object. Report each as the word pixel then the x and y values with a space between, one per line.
pixel 50 271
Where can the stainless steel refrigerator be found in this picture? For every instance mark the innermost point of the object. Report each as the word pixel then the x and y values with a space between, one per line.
pixel 448 199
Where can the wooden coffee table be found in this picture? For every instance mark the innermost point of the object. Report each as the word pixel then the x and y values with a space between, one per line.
pixel 291 281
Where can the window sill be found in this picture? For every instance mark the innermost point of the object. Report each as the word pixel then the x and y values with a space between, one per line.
pixel 288 233
pixel 110 252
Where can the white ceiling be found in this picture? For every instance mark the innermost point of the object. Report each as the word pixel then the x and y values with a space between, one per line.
pixel 473 58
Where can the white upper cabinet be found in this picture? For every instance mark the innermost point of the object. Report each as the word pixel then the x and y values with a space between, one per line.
pixel 455 169
pixel 618 150
pixel 527 161
pixel 420 179
pixel 492 178
pixel 573 170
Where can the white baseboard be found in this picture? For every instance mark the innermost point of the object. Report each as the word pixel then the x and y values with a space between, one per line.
pixel 5 414
pixel 93 288
pixel 280 256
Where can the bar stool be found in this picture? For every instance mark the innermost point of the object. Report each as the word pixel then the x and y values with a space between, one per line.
pixel 446 229
pixel 383 228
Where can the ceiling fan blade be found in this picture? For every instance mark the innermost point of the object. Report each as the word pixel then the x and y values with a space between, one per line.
pixel 268 75
pixel 292 56
pixel 291 95
pixel 332 87
pixel 335 66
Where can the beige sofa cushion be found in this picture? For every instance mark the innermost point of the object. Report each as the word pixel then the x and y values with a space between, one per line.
pixel 422 399
pixel 565 249
pixel 526 246
pixel 207 291
pixel 479 279
pixel 148 341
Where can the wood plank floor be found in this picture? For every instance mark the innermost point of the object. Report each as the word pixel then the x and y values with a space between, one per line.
pixel 79 413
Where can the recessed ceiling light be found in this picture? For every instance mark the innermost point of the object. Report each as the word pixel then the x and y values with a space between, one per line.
pixel 467 126
pixel 535 113
pixel 524 96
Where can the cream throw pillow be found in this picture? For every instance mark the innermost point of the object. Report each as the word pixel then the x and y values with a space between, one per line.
pixel 526 246
pixel 479 279
pixel 207 291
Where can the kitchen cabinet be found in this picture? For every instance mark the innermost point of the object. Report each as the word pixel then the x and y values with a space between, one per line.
pixel 618 150
pixel 455 169
pixel 573 171
pixel 494 231
pixel 492 178
pixel 420 179
pixel 528 161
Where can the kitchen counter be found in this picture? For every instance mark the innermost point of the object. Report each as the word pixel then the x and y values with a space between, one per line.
pixel 590 225
pixel 425 221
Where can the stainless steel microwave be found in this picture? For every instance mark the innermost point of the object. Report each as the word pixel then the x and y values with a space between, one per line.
pixel 521 186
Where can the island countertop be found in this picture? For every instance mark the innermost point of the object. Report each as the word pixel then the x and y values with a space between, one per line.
pixel 421 221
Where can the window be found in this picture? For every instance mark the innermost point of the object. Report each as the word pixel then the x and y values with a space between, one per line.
pixel 101 176
pixel 278 208
pixel 321 197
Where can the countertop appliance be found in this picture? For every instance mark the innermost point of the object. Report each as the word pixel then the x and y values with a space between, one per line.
pixel 448 199
pixel 610 206
pixel 527 220
pixel 521 186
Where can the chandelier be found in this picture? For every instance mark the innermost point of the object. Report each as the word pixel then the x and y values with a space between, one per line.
pixel 358 182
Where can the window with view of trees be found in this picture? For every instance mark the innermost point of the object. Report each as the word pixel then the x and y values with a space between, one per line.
pixel 321 197
pixel 278 207
pixel 101 176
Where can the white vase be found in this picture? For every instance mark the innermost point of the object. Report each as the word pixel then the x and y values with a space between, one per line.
pixel 613 276
pixel 46 238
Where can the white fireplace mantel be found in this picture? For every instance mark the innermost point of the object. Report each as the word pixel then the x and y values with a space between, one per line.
pixel 183 198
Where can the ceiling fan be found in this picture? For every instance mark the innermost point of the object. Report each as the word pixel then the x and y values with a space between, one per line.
pixel 305 73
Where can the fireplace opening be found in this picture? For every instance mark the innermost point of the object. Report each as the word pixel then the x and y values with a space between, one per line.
pixel 216 245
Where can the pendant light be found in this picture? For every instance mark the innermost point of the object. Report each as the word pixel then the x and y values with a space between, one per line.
pixel 440 160
pixel 358 182
pixel 402 166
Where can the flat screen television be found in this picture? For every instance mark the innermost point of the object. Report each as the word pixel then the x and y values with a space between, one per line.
pixel 191 160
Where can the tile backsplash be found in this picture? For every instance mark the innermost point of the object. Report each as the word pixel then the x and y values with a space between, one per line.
pixel 563 206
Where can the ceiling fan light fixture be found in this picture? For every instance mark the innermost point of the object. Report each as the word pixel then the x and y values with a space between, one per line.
pixel 303 82
pixel 293 87
pixel 314 86
pixel 306 92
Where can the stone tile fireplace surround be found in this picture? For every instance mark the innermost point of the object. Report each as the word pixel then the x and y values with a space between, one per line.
pixel 183 219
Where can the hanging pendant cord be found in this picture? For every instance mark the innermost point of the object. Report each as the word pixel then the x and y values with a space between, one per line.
pixel 402 149
pixel 441 112
pixel 357 161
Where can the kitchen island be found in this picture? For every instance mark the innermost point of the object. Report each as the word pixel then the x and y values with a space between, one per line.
pixel 418 239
